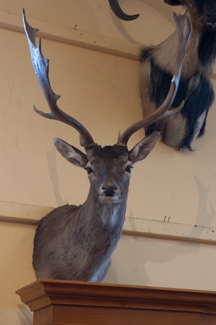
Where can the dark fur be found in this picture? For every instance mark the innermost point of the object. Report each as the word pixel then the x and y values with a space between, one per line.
pixel 196 90
pixel 199 99
pixel 207 48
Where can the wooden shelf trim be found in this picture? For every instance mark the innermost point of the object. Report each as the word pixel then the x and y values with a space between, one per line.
pixel 43 293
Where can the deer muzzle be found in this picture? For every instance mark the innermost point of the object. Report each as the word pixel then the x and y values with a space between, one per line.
pixel 109 189
pixel 109 193
pixel 210 19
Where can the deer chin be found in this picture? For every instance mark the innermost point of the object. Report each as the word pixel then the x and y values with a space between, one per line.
pixel 210 26
pixel 103 199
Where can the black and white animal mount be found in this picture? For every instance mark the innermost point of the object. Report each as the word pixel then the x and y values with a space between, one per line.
pixel 76 242
pixel 157 66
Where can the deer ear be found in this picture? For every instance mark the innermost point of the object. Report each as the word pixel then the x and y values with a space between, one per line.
pixel 143 148
pixel 72 154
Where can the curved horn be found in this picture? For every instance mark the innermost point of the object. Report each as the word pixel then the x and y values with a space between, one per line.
pixel 173 2
pixel 162 111
pixel 119 13
pixel 41 67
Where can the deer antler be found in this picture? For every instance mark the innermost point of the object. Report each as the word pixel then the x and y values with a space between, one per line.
pixel 41 67
pixel 163 110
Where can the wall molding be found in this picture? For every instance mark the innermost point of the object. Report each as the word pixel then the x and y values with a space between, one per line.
pixel 147 229
pixel 72 36
pixel 20 221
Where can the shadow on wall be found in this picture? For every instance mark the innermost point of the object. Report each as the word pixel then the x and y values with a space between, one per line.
pixel 158 6
pixel 51 162
pixel 16 271
pixel 25 316
pixel 140 261
pixel 154 262
pixel 202 211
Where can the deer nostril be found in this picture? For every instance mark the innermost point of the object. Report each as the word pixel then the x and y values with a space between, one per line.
pixel 109 190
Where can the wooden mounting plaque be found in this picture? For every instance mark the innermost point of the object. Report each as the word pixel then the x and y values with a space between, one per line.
pixel 68 302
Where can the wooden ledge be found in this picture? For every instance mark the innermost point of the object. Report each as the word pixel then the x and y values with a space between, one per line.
pixel 45 292
pixel 69 302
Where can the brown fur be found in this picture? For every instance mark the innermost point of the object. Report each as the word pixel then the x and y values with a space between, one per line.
pixel 175 128
pixel 76 243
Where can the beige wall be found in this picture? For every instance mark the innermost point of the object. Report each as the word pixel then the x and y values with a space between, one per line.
pixel 100 90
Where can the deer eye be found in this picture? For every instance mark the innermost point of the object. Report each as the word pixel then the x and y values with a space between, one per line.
pixel 128 168
pixel 89 170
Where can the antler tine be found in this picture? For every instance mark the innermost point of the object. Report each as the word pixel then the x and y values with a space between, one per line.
pixel 41 67
pixel 163 110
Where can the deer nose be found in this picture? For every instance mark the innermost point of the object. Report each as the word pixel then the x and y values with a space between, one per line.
pixel 210 17
pixel 109 189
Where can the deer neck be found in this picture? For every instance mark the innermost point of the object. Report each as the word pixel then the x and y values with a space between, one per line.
pixel 108 217
pixel 167 50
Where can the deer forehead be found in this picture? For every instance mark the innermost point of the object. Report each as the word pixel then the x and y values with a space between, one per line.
pixel 108 155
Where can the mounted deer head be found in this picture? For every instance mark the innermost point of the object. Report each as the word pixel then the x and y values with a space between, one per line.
pixel 73 242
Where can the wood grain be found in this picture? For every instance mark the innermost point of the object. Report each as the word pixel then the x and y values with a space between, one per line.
pixel 69 302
